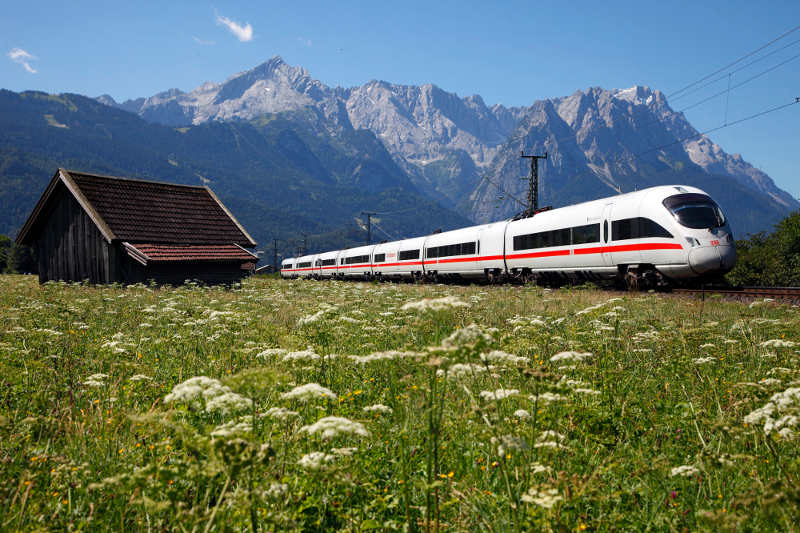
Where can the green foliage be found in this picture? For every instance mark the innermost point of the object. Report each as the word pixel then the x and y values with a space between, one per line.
pixel 21 260
pixel 320 406
pixel 772 259
pixel 5 247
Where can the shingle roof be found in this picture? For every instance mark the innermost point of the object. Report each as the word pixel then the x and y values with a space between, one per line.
pixel 146 211
pixel 160 253
pixel 139 211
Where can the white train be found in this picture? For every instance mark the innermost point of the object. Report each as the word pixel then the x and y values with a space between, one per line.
pixel 646 238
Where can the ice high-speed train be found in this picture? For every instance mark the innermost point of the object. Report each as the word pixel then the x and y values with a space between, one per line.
pixel 646 238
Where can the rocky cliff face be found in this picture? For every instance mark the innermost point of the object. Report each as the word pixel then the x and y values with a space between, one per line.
pixel 465 154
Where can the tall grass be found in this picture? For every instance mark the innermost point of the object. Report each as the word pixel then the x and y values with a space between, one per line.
pixel 487 408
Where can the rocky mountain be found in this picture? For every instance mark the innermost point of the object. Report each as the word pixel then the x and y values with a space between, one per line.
pixel 465 154
pixel 283 174
pixel 600 142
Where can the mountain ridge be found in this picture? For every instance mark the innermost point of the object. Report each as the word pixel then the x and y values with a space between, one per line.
pixel 453 146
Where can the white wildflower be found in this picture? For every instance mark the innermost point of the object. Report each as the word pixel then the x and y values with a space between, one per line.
pixel 332 426
pixel 307 392
pixel 228 402
pixel 309 319
pixel 315 460
pixel 281 413
pixel 522 414
pixel 571 356
pixel 139 377
pixel 768 382
pixel 707 345
pixel 778 343
pixel 545 498
pixel 550 435
pixel 270 352
pixel 460 370
pixel 537 468
pixel 590 392
pixel 780 414
pixel 509 443
pixel 233 428
pixel 96 380
pixel 277 490
pixel 466 336
pixel 434 304
pixel 704 360
pixel 383 356
pixel 547 397
pixel 377 408
pixel 496 356
pixel 196 388
pixel 344 452
pixel 499 394
pixel 684 471
pixel 303 355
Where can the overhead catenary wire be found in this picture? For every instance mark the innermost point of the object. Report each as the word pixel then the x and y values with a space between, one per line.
pixel 747 65
pixel 736 62
pixel 723 126
pixel 748 80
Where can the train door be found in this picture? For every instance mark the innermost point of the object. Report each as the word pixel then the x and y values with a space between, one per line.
pixel 605 235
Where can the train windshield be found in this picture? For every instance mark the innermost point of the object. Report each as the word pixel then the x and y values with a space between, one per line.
pixel 695 211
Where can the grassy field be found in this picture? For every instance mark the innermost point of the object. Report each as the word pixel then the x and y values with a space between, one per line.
pixel 300 405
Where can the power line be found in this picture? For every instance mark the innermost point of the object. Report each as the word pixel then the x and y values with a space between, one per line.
pixel 723 126
pixel 750 64
pixel 729 65
pixel 748 80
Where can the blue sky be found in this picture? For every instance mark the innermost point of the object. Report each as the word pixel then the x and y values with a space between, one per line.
pixel 508 52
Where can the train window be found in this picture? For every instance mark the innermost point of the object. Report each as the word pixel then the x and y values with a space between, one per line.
pixel 695 211
pixel 379 258
pixel 605 231
pixel 408 254
pixel 586 234
pixel 637 228
pixel 449 250
pixel 288 266
pixel 357 259
pixel 319 262
pixel 304 264
pixel 328 262
pixel 561 237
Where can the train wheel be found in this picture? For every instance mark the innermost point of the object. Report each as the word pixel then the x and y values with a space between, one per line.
pixel 632 280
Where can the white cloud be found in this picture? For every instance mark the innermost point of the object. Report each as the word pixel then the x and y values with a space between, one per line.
pixel 305 42
pixel 243 33
pixel 18 55
pixel 198 40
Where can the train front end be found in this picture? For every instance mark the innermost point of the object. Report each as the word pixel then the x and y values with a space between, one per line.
pixel 711 247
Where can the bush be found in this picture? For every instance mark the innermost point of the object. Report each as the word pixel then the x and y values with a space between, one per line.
pixel 772 259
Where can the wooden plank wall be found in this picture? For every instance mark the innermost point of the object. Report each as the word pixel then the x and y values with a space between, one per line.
pixel 70 247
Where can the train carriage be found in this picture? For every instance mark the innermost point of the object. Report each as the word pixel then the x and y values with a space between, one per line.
pixel 473 252
pixel 325 265
pixel 287 268
pixel 304 266
pixel 404 260
pixel 355 262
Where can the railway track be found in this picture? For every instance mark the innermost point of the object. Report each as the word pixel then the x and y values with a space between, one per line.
pixel 745 293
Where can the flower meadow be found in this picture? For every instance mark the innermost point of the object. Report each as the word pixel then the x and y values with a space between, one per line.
pixel 325 406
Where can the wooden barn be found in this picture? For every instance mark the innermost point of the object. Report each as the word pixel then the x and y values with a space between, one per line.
pixel 117 230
